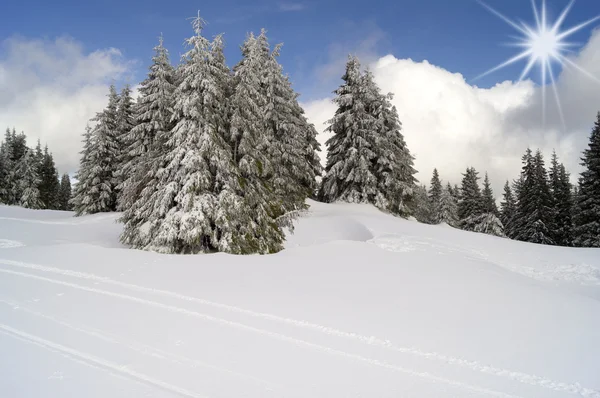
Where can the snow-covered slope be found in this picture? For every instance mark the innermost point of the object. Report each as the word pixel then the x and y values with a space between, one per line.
pixel 360 304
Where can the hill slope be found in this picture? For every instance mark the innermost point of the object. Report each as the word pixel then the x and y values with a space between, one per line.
pixel 360 304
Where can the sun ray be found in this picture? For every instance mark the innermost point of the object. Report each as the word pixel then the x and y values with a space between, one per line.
pixel 511 61
pixel 543 45
pixel 501 16
pixel 556 96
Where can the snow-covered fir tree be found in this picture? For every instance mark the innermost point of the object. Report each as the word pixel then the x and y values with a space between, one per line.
pixel 420 205
pixel 49 184
pixel 4 173
pixel 250 135
pixel 534 218
pixel 124 122
pixel 15 149
pixel 80 198
pixel 470 206
pixel 448 208
pixel 435 196
pixel 29 180
pixel 508 208
pixel 562 203
pixel 293 147
pixel 148 137
pixel 64 193
pixel 367 160
pixel 96 188
pixel 489 202
pixel 587 218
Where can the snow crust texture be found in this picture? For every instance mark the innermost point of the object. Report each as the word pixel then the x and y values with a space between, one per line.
pixel 360 304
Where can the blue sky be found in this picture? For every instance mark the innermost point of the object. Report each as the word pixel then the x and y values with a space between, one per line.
pixel 458 35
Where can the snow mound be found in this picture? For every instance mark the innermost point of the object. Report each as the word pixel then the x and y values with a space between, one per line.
pixel 317 231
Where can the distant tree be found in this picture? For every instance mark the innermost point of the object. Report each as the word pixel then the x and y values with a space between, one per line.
pixel 489 202
pixel 448 207
pixel 587 218
pixel 29 181
pixel 421 207
pixel 435 196
pixel 49 184
pixel 534 202
pixel 562 203
pixel 470 206
pixel 508 209
pixel 64 193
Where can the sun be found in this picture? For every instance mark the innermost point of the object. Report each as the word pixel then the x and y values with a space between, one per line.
pixel 543 45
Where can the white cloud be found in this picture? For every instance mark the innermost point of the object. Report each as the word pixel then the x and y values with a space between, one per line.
pixel 451 124
pixel 50 89
pixel 288 7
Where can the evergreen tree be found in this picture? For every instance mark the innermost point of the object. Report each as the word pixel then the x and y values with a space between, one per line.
pixel 435 196
pixel 367 161
pixel 250 135
pixel 562 203
pixel 421 207
pixel 49 185
pixel 124 122
pixel 96 187
pixel 448 209
pixel 470 205
pixel 147 139
pixel 489 202
pixel 4 173
pixel 534 202
pixel 16 148
pixel 64 193
pixel 28 181
pixel 508 210
pixel 587 219
pixel 80 198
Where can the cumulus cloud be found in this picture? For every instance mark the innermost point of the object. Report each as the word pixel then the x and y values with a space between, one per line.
pixel 50 89
pixel 451 124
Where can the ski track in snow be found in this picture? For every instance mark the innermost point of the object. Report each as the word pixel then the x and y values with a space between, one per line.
pixel 9 244
pixel 521 377
pixel 267 333
pixel 134 346
pixel 96 362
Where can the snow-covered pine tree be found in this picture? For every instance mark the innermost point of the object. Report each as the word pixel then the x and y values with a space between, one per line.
pixel 368 160
pixel 420 205
pixel 4 173
pixel 587 219
pixel 250 135
pixel 16 148
pixel 562 202
pixel 448 207
pixel 64 193
pixel 435 196
pixel 348 174
pixel 507 211
pixel 534 202
pixel 148 137
pixel 49 184
pixel 470 206
pixel 28 181
pixel 489 202
pixel 124 122
pixel 293 148
pixel 98 182
pixel 80 198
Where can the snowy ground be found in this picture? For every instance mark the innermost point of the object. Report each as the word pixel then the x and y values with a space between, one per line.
pixel 360 304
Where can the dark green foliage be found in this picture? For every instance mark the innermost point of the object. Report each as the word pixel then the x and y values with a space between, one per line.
pixel 64 193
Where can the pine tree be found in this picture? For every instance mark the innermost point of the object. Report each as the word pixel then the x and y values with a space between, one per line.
pixel 470 205
pixel 16 149
pixel 587 219
pixel 562 203
pixel 508 210
pixel 96 187
pixel 367 161
pixel 421 207
pixel 124 122
pixel 4 173
pixel 448 208
pixel 147 139
pixel 49 185
pixel 293 148
pixel 28 181
pixel 64 193
pixel 250 135
pixel 489 202
pixel 435 196
pixel 534 202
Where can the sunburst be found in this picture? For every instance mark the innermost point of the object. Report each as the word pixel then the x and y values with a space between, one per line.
pixel 543 45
